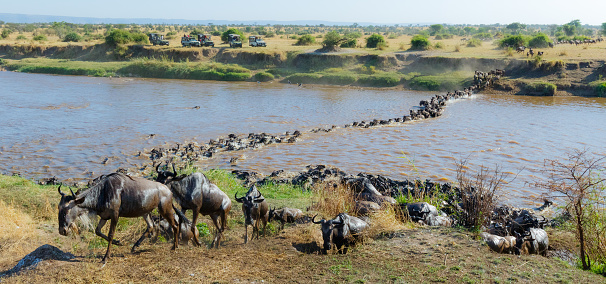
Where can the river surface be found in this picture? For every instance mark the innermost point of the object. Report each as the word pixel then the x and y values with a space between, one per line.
pixel 76 128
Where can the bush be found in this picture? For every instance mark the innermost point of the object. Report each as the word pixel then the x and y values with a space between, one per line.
pixel 264 77
pixel 21 37
pixel 306 40
pixel 225 34
pixel 40 38
pixel 600 89
pixel 304 78
pixel 439 45
pixel 513 41
pixel 375 40
pixel 419 42
pixel 72 37
pixel 379 81
pixel 541 88
pixel 5 33
pixel 116 37
pixel 339 79
pixel 474 42
pixel 216 33
pixel 482 36
pixel 539 41
pixel 351 43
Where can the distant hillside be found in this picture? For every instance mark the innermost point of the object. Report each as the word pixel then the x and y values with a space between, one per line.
pixel 22 18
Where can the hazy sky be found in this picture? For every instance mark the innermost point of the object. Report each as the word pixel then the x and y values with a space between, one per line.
pixel 591 12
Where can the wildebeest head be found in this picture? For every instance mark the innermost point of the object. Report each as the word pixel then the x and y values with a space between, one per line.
pixel 165 176
pixel 329 230
pixel 248 203
pixel 68 211
pixel 272 214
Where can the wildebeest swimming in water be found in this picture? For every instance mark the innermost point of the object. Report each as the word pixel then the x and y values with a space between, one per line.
pixel 118 195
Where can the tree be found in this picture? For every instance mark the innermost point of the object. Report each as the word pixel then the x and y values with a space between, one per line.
pixel 603 29
pixel 375 40
pixel 577 180
pixel 225 35
pixel 572 28
pixel 435 29
pixel 516 27
pixel 332 39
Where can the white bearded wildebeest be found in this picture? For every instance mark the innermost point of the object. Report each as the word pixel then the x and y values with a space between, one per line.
pixel 195 192
pixel 341 231
pixel 534 241
pixel 118 195
pixel 255 208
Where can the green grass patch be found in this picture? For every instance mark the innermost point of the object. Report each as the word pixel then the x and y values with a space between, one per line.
pixel 599 87
pixel 38 201
pixel 441 82
pixel 381 80
pixel 540 88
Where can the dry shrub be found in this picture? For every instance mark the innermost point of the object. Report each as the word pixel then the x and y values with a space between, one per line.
pixel 387 220
pixel 17 229
pixel 563 53
pixel 332 199
pixel 480 192
pixel 457 48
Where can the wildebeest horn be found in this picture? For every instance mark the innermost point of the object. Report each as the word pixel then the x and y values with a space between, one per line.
pixel 238 199
pixel 157 166
pixel 73 194
pixel 259 200
pixel 313 220
pixel 59 189
pixel 174 171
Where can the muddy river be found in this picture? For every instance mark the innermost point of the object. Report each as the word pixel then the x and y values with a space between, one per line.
pixel 76 128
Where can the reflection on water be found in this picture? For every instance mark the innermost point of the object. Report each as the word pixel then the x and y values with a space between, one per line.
pixel 79 127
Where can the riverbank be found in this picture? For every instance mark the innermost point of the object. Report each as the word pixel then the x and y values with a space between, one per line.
pixel 433 70
pixel 292 255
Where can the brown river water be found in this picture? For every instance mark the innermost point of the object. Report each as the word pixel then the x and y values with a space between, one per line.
pixel 76 128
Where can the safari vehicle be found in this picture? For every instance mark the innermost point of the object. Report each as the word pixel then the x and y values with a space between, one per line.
pixel 157 39
pixel 205 40
pixel 189 41
pixel 256 41
pixel 234 40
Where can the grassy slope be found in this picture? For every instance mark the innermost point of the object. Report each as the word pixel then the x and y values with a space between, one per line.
pixel 411 255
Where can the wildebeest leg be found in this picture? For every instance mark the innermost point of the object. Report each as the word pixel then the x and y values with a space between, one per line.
pixel 110 235
pixel 245 233
pixel 196 212
pixel 98 232
pixel 150 227
pixel 166 210
pixel 218 233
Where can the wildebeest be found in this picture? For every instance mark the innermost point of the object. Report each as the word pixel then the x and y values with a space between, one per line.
pixel 534 241
pixel 285 215
pixel 367 191
pixel 362 207
pixel 255 209
pixel 500 244
pixel 165 230
pixel 118 195
pixel 341 231
pixel 197 193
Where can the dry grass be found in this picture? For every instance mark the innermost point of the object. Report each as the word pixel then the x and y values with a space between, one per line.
pixel 18 229
pixel 332 198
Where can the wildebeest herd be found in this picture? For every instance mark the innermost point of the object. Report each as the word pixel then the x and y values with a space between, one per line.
pixel 119 195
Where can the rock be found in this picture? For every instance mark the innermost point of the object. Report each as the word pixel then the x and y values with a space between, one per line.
pixel 32 260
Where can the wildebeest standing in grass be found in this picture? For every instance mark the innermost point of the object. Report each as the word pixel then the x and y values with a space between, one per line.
pixel 341 231
pixel 255 209
pixel 118 195
pixel 197 193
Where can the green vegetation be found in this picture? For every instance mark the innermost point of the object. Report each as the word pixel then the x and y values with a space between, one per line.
pixel 225 34
pixel 474 42
pixel 513 41
pixel 5 33
pixel 540 88
pixel 332 39
pixel 439 82
pixel 306 40
pixel 540 40
pixel 380 80
pixel 40 38
pixel 121 37
pixel 420 42
pixel 72 37
pixel 375 40
pixel 599 88
pixel 264 77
